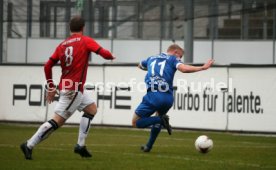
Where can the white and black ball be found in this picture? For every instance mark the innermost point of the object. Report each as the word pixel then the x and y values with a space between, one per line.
pixel 204 144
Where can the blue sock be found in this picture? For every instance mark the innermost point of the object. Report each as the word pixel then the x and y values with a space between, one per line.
pixel 145 122
pixel 155 130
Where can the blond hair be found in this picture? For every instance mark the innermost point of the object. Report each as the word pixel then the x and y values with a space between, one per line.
pixel 175 47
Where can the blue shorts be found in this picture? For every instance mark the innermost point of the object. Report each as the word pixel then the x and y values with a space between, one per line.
pixel 154 101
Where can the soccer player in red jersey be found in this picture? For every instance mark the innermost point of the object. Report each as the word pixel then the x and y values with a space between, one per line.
pixel 73 54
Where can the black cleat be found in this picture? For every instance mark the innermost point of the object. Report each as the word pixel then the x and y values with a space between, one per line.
pixel 145 148
pixel 27 152
pixel 166 124
pixel 82 151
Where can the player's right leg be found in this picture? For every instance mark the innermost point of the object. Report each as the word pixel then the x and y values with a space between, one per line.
pixel 155 121
pixel 142 118
pixel 155 130
pixel 65 107
pixel 41 134
pixel 163 103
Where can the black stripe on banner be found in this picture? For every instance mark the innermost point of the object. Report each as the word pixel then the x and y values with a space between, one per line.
pixel 67 108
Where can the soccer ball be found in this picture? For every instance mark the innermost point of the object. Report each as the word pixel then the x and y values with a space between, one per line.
pixel 204 144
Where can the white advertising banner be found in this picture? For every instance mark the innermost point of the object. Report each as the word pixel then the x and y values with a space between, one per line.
pixel 127 89
pixel 251 104
pixel 22 93
pixel 198 99
pixel 221 98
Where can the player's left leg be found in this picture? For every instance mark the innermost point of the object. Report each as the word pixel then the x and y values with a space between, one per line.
pixel 163 107
pixel 89 108
pixel 87 117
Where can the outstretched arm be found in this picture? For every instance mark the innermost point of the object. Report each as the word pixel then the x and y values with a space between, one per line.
pixel 184 68
pixel 105 54
pixel 93 46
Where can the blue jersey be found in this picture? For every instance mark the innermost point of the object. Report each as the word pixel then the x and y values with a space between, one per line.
pixel 161 69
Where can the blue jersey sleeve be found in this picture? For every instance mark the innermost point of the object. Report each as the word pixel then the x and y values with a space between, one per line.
pixel 144 64
pixel 176 62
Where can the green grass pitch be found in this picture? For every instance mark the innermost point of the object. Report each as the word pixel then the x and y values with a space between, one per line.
pixel 119 148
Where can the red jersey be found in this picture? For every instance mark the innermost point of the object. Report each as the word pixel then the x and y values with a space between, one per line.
pixel 73 54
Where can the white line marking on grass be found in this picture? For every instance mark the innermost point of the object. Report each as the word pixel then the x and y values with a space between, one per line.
pixel 7 145
pixel 120 145
pixel 135 136
pixel 138 136
pixel 172 157
pixel 146 154
pixel 255 135
pixel 242 144
pixel 186 159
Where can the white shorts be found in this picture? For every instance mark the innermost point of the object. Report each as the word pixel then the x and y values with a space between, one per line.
pixel 69 101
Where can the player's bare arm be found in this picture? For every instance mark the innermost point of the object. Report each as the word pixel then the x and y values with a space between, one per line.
pixel 51 95
pixel 185 68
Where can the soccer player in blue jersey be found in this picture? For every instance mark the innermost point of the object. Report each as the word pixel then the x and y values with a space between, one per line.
pixel 159 98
